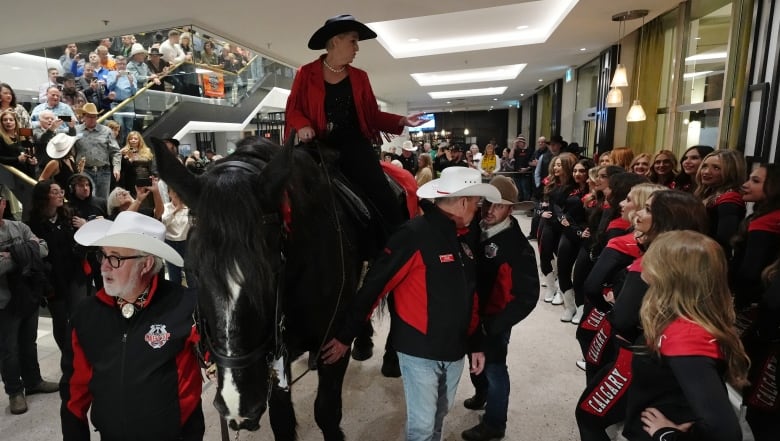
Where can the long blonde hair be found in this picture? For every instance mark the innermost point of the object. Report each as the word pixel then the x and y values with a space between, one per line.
pixel 639 195
pixel 693 287
pixel 9 137
pixel 144 153
pixel 732 165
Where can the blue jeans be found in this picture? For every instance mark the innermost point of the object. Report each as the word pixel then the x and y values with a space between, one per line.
pixel 102 179
pixel 429 387
pixel 493 382
pixel 174 272
pixel 524 181
pixel 19 351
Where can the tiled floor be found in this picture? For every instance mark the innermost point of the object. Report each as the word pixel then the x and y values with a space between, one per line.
pixel 545 387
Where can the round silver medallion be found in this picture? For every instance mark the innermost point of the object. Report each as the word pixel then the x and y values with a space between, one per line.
pixel 128 309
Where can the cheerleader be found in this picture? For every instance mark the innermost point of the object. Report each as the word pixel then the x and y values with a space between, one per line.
pixel 573 220
pixel 558 187
pixel 653 211
pixel 718 183
pixel 678 389
pixel 664 168
pixel 690 161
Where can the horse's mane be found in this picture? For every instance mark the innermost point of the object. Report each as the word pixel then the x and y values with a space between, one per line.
pixel 230 240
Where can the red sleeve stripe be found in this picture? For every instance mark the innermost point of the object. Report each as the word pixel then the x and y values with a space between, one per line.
pixel 190 383
pixel 80 396
pixel 411 293
pixel 769 222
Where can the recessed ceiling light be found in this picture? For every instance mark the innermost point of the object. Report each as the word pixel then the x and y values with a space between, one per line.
pixel 393 35
pixel 467 92
pixel 520 28
pixel 522 94
pixel 583 49
pixel 495 99
pixel 449 102
pixel 413 40
pixel 461 76
pixel 698 38
pixel 541 79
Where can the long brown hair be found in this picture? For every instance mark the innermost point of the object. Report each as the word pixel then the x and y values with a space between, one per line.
pixel 655 177
pixel 567 163
pixel 695 288
pixel 732 164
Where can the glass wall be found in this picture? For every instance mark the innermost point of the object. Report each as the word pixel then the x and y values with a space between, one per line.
pixel 706 53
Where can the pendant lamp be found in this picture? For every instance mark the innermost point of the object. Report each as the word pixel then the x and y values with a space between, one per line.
pixel 636 113
pixel 614 98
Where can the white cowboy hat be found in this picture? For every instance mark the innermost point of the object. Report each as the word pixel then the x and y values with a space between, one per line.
pixel 130 230
pixel 459 181
pixel 60 145
pixel 408 146
pixel 137 48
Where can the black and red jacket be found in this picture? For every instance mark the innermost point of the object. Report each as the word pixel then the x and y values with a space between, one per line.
pixel 507 279
pixel 685 383
pixel 139 376
pixel 725 213
pixel 752 256
pixel 430 267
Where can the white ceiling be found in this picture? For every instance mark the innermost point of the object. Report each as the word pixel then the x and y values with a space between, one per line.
pixel 281 30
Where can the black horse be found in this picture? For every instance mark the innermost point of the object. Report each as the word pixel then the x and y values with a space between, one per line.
pixel 275 262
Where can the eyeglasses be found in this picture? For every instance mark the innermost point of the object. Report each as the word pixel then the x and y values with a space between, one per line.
pixel 114 261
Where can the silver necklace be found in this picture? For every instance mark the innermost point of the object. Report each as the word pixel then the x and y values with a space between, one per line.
pixel 330 68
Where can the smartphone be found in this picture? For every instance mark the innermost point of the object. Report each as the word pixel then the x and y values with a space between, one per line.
pixel 65 118
pixel 24 131
pixel 143 182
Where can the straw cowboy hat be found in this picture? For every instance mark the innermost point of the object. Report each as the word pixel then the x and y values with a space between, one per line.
pixel 60 145
pixel 137 48
pixel 459 181
pixel 408 146
pixel 338 25
pixel 130 230
pixel 90 109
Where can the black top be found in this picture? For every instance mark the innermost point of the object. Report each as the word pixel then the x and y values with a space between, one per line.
pixel 340 110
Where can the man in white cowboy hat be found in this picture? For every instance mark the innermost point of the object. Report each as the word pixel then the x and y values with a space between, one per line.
pixel 131 355
pixel 429 265
pixel 138 68
pixel 408 158
pixel 99 149
pixel 508 288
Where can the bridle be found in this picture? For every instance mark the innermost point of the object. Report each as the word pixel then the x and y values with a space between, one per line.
pixel 273 347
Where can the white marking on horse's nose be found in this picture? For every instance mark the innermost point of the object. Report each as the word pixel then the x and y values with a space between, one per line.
pixel 231 397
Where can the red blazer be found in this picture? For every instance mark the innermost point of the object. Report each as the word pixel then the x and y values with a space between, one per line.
pixel 306 104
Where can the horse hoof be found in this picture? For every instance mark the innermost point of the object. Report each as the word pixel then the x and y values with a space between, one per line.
pixel 390 367
pixel 362 352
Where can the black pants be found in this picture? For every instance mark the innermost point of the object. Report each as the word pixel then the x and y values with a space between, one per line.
pixel 568 250
pixel 360 165
pixel 582 267
pixel 596 410
pixel 549 236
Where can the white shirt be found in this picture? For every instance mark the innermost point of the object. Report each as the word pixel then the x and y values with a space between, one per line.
pixel 177 222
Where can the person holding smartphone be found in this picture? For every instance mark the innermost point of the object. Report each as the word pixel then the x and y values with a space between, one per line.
pixel 15 149
pixel 55 105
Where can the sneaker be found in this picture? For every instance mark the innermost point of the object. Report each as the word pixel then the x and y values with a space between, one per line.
pixel 557 298
pixel 482 432
pixel 44 387
pixel 477 402
pixel 581 364
pixel 17 403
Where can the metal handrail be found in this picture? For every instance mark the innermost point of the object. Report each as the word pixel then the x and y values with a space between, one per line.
pixel 148 85
pixel 19 174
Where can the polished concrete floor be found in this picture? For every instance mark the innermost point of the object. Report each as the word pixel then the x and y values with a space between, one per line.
pixel 545 386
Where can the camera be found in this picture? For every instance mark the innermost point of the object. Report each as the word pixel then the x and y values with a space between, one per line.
pixel 91 217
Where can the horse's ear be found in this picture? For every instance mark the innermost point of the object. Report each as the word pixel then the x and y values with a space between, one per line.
pixel 175 174
pixel 278 171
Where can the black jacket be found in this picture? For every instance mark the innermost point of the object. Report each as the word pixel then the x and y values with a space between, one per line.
pixel 507 279
pixel 140 376
pixel 430 268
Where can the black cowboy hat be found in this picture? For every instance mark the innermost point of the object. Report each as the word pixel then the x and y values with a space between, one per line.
pixel 173 141
pixel 155 51
pixel 338 25
pixel 65 77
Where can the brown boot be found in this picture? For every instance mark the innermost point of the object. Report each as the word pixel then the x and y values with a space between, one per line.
pixel 17 403
pixel 44 387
